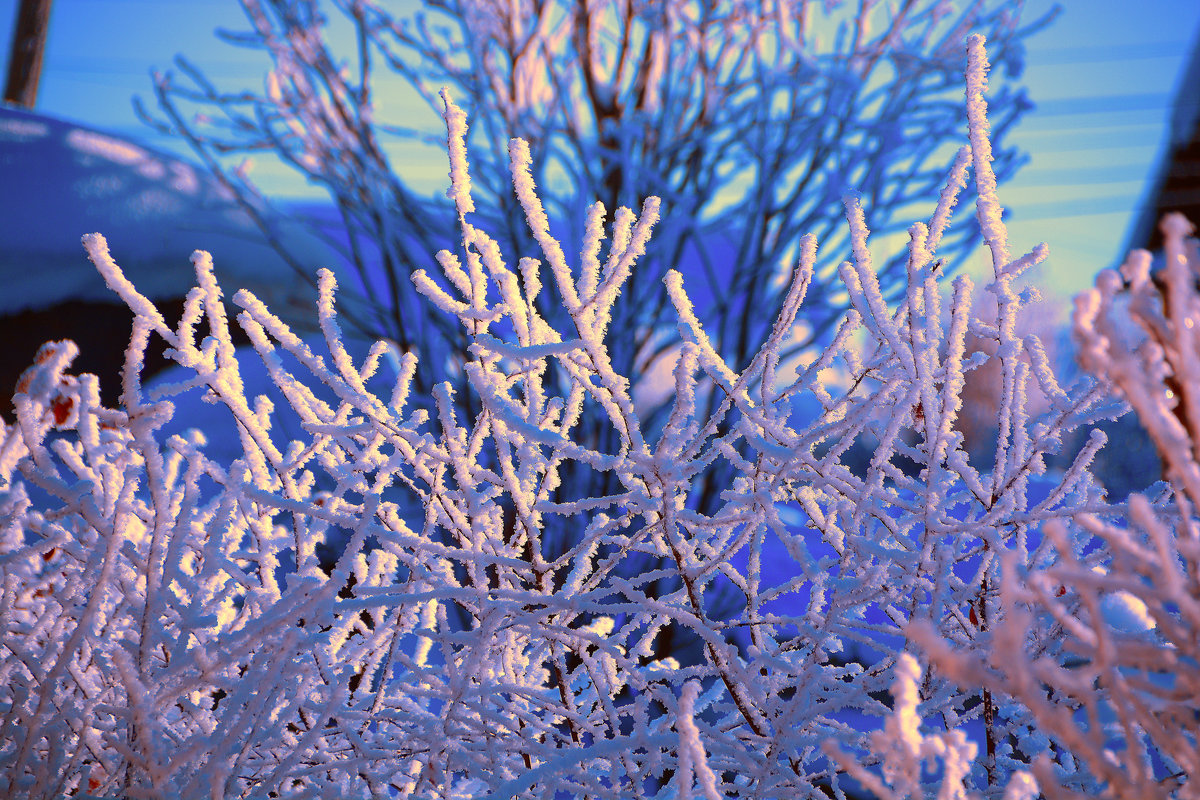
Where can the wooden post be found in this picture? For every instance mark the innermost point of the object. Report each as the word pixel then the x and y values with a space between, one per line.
pixel 25 56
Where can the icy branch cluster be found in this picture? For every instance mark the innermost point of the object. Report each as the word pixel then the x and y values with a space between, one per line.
pixel 368 605
pixel 904 750
pixel 1122 698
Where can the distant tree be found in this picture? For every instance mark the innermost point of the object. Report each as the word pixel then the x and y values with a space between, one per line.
pixel 750 121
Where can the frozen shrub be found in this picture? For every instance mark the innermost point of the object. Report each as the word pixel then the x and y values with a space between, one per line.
pixel 1097 645
pixel 747 120
pixel 170 630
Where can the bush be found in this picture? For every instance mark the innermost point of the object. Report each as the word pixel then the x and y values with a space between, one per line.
pixel 369 607
pixel 748 121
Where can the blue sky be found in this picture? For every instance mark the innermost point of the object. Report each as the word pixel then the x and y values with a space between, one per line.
pixel 1103 76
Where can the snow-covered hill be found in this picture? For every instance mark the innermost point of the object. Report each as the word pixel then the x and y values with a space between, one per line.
pixel 59 180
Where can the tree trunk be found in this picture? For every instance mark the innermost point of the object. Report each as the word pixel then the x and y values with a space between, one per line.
pixel 25 55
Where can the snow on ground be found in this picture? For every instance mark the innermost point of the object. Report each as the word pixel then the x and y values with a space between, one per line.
pixel 61 180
